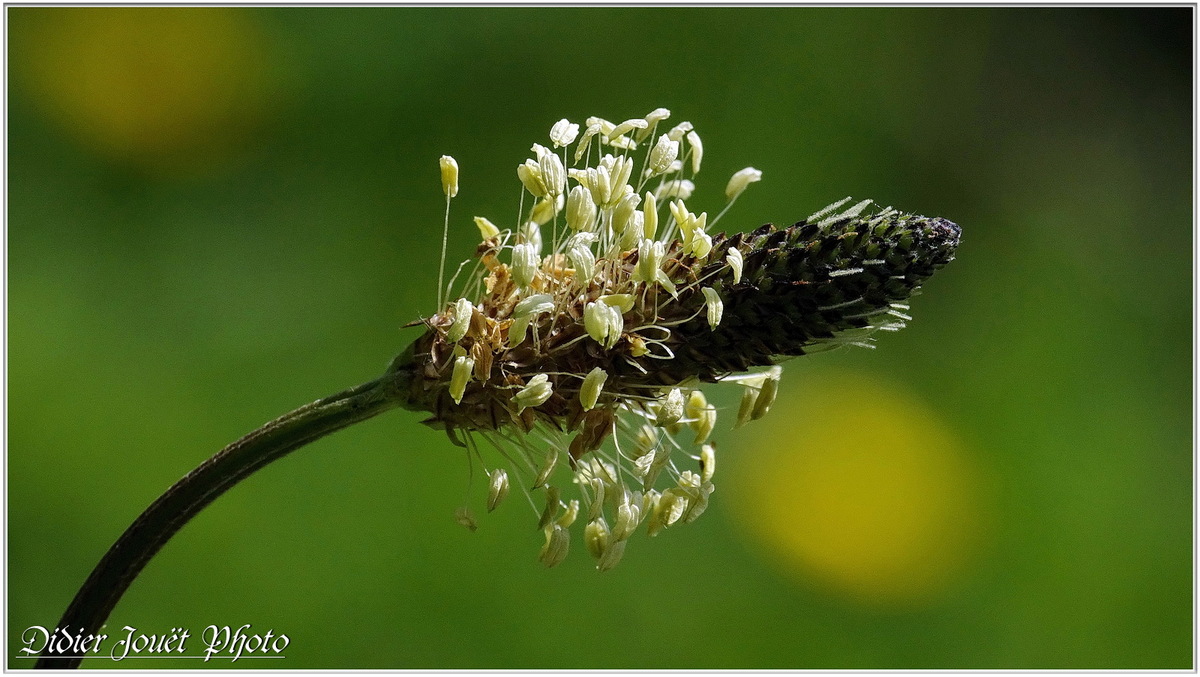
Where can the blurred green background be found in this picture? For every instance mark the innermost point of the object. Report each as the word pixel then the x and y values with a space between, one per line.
pixel 216 215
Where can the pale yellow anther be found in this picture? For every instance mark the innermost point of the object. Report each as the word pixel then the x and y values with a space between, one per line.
pixel 551 509
pixel 463 309
pixel 650 216
pixel 688 483
pixel 702 417
pixel 766 397
pixel 558 541
pixel 622 301
pixel 530 175
pixel 665 282
pixel 650 258
pixel 734 258
pixel 449 167
pixel 641 464
pixel 622 216
pixel 637 346
pixel 649 500
pixel 629 515
pixel 581 239
pixel 545 176
pixel 583 261
pixel 662 457
pixel 683 218
pixel 593 385
pixel 596 507
pixel 568 517
pixel 746 408
pixel 652 118
pixel 596 537
pixel 603 125
pixel 626 127
pixel 605 472
pixel 554 175
pixel 534 304
pixel 739 181
pixel 678 188
pixel 670 408
pixel 701 243
pixel 535 393
pixel 657 115
pixel 603 323
pixel 634 231
pixel 679 131
pixel 612 555
pixel 586 141
pixel 667 510
pixel 618 171
pixel 664 153
pixel 691 228
pixel 622 143
pixel 601 186
pixel 708 462
pixel 547 468
pixel 581 209
pixel 714 305
pixel 545 210
pixel 697 504
pixel 524 264
pixel 518 329
pixel 487 229
pixel 596 181
pixel 463 367
pixel 696 507
pixel 697 151
pixel 497 488
pixel 563 133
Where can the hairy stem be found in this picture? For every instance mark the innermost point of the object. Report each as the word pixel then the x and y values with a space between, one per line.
pixel 183 501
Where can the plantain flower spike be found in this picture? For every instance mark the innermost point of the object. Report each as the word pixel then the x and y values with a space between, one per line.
pixel 587 348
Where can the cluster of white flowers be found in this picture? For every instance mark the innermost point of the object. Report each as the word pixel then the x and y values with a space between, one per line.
pixel 528 288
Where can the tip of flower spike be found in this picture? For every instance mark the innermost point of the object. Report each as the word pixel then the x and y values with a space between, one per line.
pixel 945 228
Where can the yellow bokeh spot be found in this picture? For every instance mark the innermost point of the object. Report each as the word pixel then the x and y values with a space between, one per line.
pixel 858 487
pixel 158 87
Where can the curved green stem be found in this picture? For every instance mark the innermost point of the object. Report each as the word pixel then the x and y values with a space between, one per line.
pixel 167 515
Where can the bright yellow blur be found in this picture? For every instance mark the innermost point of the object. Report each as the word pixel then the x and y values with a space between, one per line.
pixel 156 87
pixel 859 488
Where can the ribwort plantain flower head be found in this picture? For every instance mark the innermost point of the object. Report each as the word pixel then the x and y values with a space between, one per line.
pixel 576 358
